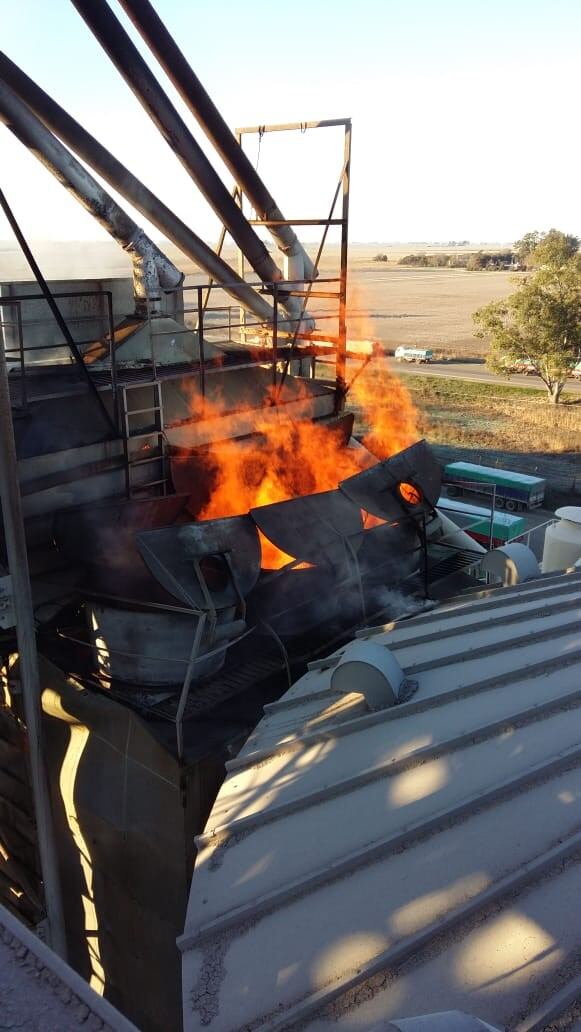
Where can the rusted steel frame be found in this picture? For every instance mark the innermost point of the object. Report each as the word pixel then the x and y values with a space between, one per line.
pixel 342 282
pixel 201 341
pixel 275 337
pixel 294 222
pixel 341 358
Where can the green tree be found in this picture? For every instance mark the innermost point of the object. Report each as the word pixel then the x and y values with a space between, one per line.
pixel 539 248
pixel 540 323
pixel 525 247
pixel 555 248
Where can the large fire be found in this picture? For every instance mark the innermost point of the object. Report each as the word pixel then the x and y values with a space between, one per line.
pixel 287 457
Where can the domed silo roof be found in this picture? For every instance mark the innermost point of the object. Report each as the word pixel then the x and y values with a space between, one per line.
pixel 368 861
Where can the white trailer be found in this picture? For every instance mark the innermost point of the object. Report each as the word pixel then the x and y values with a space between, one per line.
pixel 419 355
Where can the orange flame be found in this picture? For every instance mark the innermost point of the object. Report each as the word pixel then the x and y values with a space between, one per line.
pixel 387 415
pixel 293 457
pixel 290 458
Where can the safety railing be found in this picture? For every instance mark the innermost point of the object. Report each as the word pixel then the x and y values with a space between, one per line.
pixel 25 357
pixel 276 341
pixel 532 535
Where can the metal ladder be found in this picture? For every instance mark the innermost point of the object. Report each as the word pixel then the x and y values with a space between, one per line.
pixel 139 452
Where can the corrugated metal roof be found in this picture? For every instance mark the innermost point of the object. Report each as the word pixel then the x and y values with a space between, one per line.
pixel 361 866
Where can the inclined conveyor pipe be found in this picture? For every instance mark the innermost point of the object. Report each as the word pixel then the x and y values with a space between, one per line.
pixel 125 56
pixel 152 270
pixel 114 172
pixel 186 82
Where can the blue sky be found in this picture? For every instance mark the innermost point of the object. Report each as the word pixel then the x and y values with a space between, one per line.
pixel 465 114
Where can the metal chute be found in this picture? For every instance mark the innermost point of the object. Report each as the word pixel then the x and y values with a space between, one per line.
pixel 323 528
pixel 378 490
pixel 208 565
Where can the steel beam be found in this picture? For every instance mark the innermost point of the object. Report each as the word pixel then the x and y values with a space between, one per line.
pixel 125 56
pixel 151 268
pixel 186 82
pixel 146 202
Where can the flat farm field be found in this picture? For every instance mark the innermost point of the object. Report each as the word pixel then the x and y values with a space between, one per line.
pixel 426 307
pixel 423 307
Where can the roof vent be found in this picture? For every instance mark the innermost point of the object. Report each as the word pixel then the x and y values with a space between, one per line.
pixel 511 564
pixel 372 670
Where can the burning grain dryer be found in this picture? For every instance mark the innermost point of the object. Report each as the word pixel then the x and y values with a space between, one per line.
pixel 201 522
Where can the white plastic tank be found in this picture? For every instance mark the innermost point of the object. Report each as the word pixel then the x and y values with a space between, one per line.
pixel 562 546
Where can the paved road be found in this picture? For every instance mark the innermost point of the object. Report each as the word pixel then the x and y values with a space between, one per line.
pixel 475 371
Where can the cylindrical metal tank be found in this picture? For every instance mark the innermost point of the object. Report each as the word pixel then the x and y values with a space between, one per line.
pixel 151 648
pixel 563 540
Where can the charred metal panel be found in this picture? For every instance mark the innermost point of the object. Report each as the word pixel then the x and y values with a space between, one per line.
pixel 323 528
pixel 101 538
pixel 377 489
pixel 228 547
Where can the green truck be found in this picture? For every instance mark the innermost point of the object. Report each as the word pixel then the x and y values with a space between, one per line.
pixel 481 524
pixel 514 491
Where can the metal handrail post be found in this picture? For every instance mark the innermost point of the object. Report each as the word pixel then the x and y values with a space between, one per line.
pixel 201 343
pixel 112 356
pixel 20 332
pixel 274 333
pixel 200 626
pixel 341 357
pixel 492 510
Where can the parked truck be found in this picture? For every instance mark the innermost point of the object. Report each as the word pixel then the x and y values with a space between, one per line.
pixel 481 524
pixel 514 491
pixel 420 355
